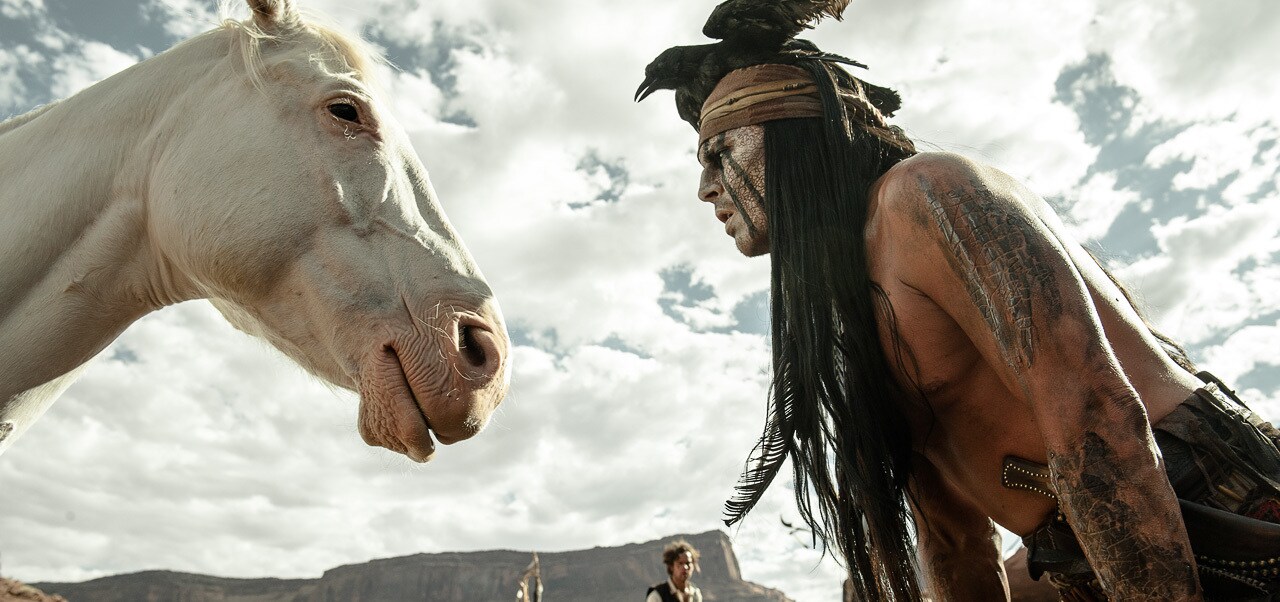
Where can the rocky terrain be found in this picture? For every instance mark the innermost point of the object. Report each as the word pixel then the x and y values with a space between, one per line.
pixel 17 591
pixel 598 574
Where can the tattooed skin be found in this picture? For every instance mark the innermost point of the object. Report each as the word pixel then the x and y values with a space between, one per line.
pixel 1107 508
pixel 1133 567
pixel 993 253
pixel 1109 486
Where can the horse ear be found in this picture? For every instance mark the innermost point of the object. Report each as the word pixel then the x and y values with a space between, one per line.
pixel 274 15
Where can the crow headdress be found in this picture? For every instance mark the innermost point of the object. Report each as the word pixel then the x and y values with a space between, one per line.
pixel 751 32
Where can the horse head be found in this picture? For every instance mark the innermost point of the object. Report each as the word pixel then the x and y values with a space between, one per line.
pixel 287 194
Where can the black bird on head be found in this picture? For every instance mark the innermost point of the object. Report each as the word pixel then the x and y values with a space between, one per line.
pixel 751 32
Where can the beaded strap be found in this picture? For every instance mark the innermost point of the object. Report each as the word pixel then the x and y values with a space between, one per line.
pixel 1028 476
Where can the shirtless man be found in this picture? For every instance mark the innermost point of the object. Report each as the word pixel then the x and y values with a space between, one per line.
pixel 941 344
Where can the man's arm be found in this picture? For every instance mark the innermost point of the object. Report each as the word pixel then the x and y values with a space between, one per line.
pixel 972 242
pixel 959 546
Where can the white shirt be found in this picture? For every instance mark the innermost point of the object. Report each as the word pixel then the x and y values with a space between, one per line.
pixel 690 594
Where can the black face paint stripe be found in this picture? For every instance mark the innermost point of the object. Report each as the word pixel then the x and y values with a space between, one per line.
pixel 751 227
pixel 742 173
pixel 720 154
pixel 751 187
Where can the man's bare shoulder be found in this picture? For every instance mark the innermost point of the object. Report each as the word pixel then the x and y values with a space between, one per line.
pixel 898 204
pixel 937 163
pixel 905 201
pixel 908 184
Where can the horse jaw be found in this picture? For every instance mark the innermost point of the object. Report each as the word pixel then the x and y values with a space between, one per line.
pixel 435 366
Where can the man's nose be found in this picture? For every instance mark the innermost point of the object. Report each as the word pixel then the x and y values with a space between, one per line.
pixel 709 189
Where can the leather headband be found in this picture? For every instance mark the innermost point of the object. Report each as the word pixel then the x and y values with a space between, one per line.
pixel 755 95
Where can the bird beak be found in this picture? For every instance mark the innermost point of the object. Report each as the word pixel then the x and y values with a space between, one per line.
pixel 645 88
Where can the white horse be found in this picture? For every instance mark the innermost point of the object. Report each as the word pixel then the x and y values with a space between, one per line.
pixel 255 167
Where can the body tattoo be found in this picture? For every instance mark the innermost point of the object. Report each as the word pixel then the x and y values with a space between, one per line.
pixel 1107 475
pixel 1009 272
pixel 1130 564
pixel 1116 515
pixel 995 253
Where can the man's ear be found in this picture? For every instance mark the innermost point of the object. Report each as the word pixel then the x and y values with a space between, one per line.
pixel 274 15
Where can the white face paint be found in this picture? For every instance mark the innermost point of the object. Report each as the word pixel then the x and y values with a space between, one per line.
pixel 733 182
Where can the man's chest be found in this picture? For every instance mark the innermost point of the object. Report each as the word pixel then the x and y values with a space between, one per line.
pixel 925 348
pixel 969 420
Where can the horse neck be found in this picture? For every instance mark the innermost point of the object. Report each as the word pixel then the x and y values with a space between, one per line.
pixel 76 266
pixel 20 120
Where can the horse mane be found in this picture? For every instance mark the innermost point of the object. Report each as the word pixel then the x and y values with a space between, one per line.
pixel 360 57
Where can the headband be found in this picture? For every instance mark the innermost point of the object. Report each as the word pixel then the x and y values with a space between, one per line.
pixel 754 95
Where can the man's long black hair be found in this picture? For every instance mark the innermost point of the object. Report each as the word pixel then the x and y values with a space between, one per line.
pixel 835 408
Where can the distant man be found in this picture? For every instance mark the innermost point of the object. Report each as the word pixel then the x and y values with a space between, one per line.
pixel 681 560
pixel 946 357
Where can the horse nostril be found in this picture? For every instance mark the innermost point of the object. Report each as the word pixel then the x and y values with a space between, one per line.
pixel 480 350
pixel 473 351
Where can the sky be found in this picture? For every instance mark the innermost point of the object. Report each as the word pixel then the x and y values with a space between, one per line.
pixel 642 357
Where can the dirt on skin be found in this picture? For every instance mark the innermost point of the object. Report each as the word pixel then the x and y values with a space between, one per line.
pixel 17 591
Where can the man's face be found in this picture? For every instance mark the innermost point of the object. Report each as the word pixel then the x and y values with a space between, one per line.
pixel 681 569
pixel 733 182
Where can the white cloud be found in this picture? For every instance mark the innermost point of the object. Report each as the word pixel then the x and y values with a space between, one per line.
pixel 11 87
pixel 415 102
pixel 978 78
pixel 90 62
pixel 21 9
pixel 1266 405
pixel 1217 150
pixel 1191 287
pixel 1245 350
pixel 1094 205
pixel 184 18
pixel 1192 59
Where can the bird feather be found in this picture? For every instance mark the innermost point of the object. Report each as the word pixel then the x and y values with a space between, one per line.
pixel 768 22
pixel 750 32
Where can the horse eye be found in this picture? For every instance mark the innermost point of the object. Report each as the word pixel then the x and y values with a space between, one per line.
pixel 345 111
